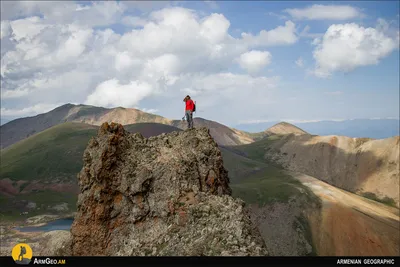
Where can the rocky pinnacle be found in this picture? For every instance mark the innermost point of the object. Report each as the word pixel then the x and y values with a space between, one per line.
pixel 166 195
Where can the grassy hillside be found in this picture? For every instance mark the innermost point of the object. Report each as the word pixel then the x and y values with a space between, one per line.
pixel 256 150
pixel 239 166
pixel 57 152
pixel 268 185
pixel 53 153
pixel 19 129
pixel 56 155
pixel 258 181
pixel 279 203
pixel 51 158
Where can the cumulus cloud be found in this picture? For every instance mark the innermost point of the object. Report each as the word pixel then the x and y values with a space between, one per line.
pixel 165 53
pixel 345 47
pixel 65 12
pixel 28 111
pixel 324 12
pixel 149 110
pixel 253 61
pixel 281 35
pixel 111 93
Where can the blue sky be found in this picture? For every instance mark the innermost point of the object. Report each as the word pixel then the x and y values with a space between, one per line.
pixel 242 61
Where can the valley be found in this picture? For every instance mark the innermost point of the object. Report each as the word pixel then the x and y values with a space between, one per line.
pixel 305 196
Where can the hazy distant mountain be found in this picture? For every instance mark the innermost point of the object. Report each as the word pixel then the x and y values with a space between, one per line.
pixel 378 129
pixel 284 128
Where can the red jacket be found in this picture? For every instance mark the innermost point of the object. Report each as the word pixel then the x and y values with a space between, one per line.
pixel 189 105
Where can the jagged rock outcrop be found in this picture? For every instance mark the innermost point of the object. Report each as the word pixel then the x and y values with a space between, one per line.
pixel 166 195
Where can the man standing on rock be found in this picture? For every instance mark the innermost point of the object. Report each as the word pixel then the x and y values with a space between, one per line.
pixel 190 108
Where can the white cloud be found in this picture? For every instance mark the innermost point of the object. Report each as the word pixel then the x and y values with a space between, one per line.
pixel 17 93
pixel 29 111
pixel 65 12
pixel 253 61
pixel 345 47
pixel 308 121
pixel 26 28
pixel 281 35
pixel 300 62
pixel 255 121
pixel 164 65
pixel 214 28
pixel 324 12
pixel 112 94
pixel 174 51
pixel 239 90
pixel 149 110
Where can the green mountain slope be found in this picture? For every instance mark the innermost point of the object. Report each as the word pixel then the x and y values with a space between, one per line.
pixel 19 129
pixel 257 180
pixel 43 167
pixel 51 154
pixel 57 152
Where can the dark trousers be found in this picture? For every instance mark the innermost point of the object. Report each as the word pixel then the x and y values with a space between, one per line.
pixel 189 118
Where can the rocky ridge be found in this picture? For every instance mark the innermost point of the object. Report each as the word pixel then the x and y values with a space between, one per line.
pixel 166 195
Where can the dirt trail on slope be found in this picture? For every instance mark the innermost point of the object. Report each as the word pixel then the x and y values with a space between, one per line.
pixel 350 225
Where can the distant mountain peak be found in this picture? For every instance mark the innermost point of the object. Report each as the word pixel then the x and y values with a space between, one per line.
pixel 22 128
pixel 283 128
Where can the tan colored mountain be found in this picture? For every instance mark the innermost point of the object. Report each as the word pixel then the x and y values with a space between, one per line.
pixel 350 225
pixel 20 129
pixel 364 166
pixel 283 128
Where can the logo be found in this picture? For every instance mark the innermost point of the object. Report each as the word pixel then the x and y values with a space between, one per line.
pixel 22 253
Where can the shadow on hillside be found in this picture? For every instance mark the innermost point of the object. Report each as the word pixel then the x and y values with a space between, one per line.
pixel 331 164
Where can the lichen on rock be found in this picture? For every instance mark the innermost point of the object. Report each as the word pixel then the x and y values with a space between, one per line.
pixel 166 195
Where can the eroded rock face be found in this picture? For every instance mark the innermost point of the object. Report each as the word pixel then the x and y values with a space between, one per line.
pixel 358 165
pixel 166 195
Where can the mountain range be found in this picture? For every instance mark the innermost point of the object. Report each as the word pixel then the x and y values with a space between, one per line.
pixel 299 186
pixel 21 128
pixel 368 128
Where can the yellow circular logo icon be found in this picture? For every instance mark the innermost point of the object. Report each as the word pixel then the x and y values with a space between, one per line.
pixel 22 253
